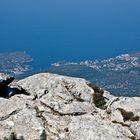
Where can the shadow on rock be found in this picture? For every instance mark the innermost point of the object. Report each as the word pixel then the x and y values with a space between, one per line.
pixel 7 91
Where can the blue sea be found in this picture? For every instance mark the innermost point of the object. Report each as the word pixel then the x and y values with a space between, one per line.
pixel 71 30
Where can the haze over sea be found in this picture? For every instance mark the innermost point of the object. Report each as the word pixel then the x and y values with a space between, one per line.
pixel 72 30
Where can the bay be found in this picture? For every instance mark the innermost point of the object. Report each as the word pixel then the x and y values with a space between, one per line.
pixel 75 30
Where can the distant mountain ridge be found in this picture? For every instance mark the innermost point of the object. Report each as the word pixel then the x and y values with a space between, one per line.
pixel 120 75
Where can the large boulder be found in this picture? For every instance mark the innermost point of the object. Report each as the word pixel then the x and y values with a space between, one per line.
pixel 68 108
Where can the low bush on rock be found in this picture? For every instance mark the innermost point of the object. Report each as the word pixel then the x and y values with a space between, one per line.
pixel 13 136
pixel 98 98
pixel 43 135
pixel 128 115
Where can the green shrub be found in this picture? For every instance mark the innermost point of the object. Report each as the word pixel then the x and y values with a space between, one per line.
pixel 13 136
pixel 43 135
pixel 98 97
pixel 128 115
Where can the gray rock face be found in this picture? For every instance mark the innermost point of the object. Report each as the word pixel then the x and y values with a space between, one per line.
pixel 68 109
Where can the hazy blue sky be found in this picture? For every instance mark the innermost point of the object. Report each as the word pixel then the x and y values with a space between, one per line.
pixel 53 30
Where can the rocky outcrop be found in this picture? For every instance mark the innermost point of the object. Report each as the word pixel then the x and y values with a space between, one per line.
pixel 68 108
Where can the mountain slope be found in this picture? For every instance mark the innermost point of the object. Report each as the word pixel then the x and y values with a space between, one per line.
pixel 68 108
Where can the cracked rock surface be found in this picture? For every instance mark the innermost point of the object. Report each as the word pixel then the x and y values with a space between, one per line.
pixel 68 109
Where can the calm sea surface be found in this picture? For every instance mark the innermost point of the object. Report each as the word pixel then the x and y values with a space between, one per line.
pixel 73 30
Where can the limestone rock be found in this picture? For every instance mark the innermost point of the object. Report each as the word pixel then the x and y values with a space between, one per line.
pixel 68 109
pixel 135 128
